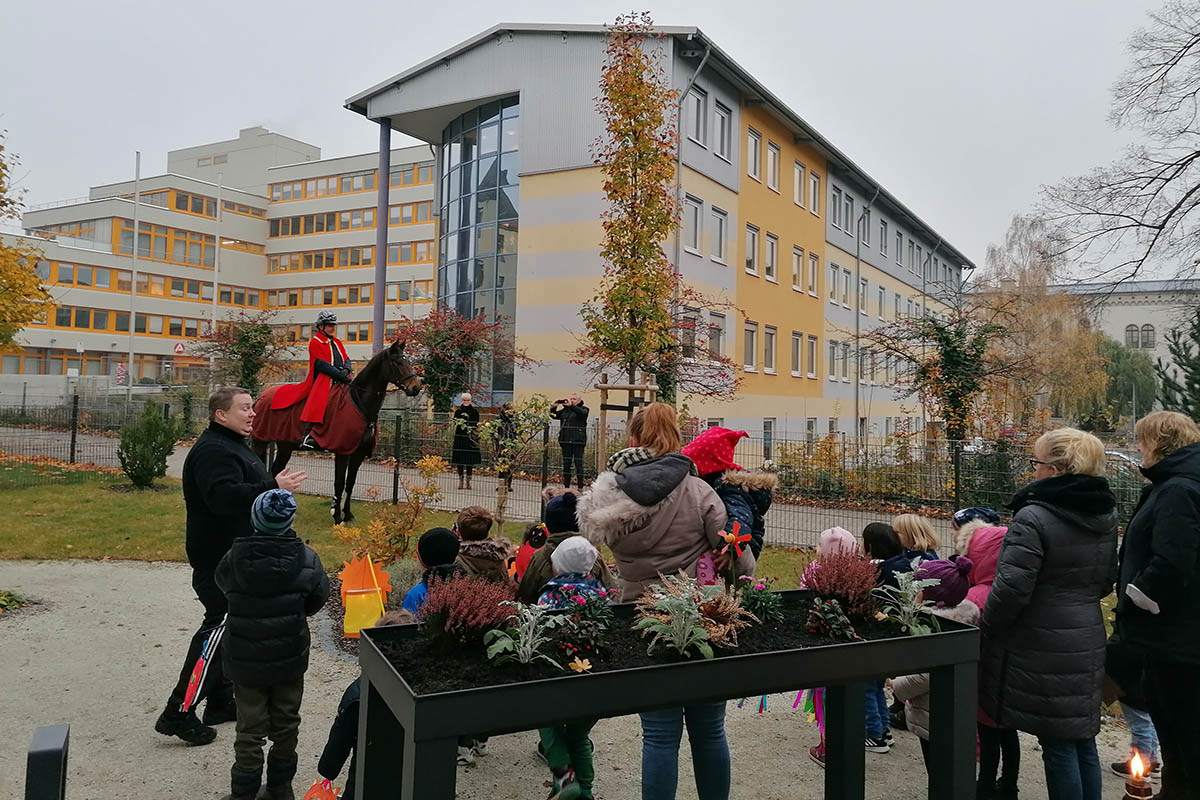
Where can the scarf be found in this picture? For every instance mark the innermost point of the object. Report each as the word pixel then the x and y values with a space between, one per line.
pixel 621 460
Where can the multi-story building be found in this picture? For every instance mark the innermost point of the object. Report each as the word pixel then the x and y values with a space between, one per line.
pixel 519 199
pixel 261 218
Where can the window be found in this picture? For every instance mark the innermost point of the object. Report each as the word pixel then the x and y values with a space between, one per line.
pixel 810 429
pixel 687 334
pixel 814 194
pixel 771 257
pixel 912 256
pixel 753 153
pixel 899 248
pixel 812 356
pixel 1131 335
pixel 919 264
pixel 769 350
pixel 714 422
pixel 750 346
pixel 720 234
pixel 798 184
pixel 768 430
pixel 846 278
pixel 691 224
pixel 797 268
pixel 752 249
pixel 909 310
pixel 849 221
pixel 1148 337
pixel 863 286
pixel 832 425
pixel 723 141
pixel 835 208
pixel 697 116
pixel 845 361
pixel 814 264
pixel 797 349
pixel 773 166
pixel 834 350
pixel 896 315
pixel 882 300
pixel 716 334
pixel 864 230
pixel 834 275
pixel 883 237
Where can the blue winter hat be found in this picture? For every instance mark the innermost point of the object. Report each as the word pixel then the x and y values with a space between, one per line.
pixel 965 515
pixel 273 511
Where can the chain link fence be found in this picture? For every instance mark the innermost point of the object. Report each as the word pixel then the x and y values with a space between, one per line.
pixel 823 481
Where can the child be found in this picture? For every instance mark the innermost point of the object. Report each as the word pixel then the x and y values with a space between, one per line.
pixel 567 748
pixel 746 495
pixel 479 554
pixel 436 550
pixel 560 522
pixel 950 595
pixel 968 520
pixel 882 545
pixel 918 538
pixel 535 537
pixel 343 734
pixel 273 583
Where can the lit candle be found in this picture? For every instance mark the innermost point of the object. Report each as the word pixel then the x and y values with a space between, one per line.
pixel 1136 785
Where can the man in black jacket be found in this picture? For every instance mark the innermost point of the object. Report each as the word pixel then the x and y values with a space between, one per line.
pixel 572 416
pixel 221 478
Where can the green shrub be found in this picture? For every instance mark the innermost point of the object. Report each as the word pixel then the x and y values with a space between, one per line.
pixel 145 446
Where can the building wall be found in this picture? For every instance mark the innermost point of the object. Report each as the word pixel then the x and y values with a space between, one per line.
pixel 243 162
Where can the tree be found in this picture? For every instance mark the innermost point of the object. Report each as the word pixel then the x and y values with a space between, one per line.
pixel 247 350
pixel 450 350
pixel 23 299
pixel 1143 208
pixel 511 444
pixel 1180 390
pixel 1131 374
pixel 146 445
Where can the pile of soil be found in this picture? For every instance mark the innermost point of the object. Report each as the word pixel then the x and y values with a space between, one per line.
pixel 429 672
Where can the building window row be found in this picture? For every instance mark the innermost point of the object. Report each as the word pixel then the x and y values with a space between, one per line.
pixel 107 321
pixel 358 294
pixel 195 204
pixel 349 183
pixel 802 353
pixel 303 225
pixel 161 243
pixel 81 229
pixel 102 278
pixel 412 174
pixel 408 213
pixel 351 332
pixel 243 209
pixel 339 258
pixel 696 123
pixel 1142 338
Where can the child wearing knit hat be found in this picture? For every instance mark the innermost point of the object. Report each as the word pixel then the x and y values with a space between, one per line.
pixel 560 527
pixel 436 551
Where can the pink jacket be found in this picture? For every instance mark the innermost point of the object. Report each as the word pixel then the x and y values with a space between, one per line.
pixel 984 552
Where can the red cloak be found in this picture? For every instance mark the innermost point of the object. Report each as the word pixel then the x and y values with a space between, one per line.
pixel 315 389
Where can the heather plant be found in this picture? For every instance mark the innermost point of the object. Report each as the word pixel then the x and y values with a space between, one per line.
pixel 826 618
pixel 458 612
pixel 903 604
pixel 526 639
pixel 758 599
pixel 848 578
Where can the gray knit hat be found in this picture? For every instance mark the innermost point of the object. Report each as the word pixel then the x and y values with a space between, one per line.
pixel 273 511
pixel 576 554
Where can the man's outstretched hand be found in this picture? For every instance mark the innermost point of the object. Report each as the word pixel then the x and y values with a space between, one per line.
pixel 290 480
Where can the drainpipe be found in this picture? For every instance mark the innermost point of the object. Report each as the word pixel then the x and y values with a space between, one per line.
pixel 924 307
pixel 858 234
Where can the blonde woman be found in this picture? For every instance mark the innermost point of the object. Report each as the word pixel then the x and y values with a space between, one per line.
pixel 917 537
pixel 1042 661
pixel 1158 605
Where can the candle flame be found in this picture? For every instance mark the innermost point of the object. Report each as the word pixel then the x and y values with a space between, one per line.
pixel 1137 767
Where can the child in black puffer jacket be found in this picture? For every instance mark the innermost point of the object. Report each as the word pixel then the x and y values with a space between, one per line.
pixel 746 495
pixel 273 583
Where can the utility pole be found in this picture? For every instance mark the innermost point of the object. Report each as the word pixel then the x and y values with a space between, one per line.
pixel 137 204
pixel 212 359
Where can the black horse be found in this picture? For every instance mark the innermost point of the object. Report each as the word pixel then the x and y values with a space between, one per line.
pixel 367 391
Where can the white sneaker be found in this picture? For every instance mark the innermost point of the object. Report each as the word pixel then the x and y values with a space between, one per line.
pixel 465 756
pixel 479 749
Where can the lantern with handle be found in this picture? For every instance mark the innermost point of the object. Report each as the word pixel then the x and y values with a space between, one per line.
pixel 1137 785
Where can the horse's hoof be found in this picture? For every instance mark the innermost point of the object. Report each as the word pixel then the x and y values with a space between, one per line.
pixel 348 517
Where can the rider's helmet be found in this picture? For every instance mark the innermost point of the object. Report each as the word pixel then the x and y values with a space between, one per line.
pixel 326 318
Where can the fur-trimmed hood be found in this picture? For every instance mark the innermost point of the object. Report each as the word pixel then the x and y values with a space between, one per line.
pixel 486 549
pixel 487 558
pixel 965 612
pixel 751 481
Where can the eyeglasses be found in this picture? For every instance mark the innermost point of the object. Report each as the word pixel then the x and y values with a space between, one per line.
pixel 1033 462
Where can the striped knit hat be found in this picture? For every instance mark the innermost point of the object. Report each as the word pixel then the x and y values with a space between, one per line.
pixel 273 511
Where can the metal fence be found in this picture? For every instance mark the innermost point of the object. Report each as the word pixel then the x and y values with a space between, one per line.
pixel 822 482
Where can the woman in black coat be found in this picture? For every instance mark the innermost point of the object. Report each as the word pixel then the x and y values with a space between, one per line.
pixel 464 452
pixel 1042 662
pixel 1158 596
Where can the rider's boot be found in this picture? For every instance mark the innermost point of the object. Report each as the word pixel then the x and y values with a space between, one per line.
pixel 306 439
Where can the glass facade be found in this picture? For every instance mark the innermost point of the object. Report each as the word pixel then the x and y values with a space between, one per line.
pixel 477 256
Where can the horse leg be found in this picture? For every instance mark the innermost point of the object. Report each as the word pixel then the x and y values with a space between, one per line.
pixel 355 461
pixel 339 482
pixel 283 454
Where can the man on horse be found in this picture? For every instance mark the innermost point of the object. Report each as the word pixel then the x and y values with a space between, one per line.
pixel 327 364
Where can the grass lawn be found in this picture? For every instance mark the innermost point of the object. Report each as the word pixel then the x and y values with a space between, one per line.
pixel 78 517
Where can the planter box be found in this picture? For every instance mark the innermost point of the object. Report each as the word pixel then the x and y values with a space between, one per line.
pixel 408 742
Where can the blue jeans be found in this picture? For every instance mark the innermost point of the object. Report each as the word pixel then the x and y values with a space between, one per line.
pixel 1072 768
pixel 661 734
pixel 877 710
pixel 1142 736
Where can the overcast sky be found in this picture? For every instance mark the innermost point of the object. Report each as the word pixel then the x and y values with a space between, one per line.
pixel 962 112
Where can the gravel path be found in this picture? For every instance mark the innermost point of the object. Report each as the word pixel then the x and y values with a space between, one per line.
pixel 102 652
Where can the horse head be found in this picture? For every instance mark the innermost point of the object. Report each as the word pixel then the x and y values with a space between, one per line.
pixel 400 371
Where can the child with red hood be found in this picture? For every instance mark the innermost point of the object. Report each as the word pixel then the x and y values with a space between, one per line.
pixel 746 495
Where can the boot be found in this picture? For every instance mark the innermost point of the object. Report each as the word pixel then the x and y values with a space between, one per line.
pixel 184 724
pixel 219 711
pixel 460 481
pixel 279 780
pixel 468 481
pixel 1006 789
pixel 243 784
pixel 985 790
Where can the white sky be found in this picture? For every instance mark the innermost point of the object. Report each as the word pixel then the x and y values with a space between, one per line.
pixel 962 111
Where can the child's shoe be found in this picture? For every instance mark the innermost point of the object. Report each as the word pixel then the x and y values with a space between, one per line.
pixel 465 756
pixel 879 745
pixel 563 785
pixel 887 737
pixel 817 754
pixel 243 784
pixel 480 749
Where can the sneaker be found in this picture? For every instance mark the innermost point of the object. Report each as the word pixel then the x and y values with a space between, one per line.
pixel 220 713
pixel 563 786
pixel 1121 769
pixel 877 745
pixel 887 737
pixel 480 749
pixel 465 756
pixel 186 725
pixel 817 754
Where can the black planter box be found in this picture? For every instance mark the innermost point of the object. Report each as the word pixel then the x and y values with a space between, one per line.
pixel 407 744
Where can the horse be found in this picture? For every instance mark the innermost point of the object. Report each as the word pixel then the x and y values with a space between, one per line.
pixel 367 391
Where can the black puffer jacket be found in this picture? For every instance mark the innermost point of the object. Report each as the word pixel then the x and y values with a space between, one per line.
pixel 1042 662
pixel 572 423
pixel 747 499
pixel 1160 563
pixel 272 583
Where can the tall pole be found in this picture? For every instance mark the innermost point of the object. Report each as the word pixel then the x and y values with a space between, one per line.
pixel 858 309
pixel 212 359
pixel 137 204
pixel 383 183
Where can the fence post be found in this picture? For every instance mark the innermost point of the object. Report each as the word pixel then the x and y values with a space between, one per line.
pixel 167 411
pixel 46 763
pixel 74 424
pixel 24 391
pixel 545 469
pixel 396 462
pixel 956 455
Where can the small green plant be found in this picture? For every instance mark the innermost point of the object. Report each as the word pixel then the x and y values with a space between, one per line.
pixel 145 446
pixel 759 600
pixel 591 618
pixel 670 614
pixel 525 641
pixel 826 618
pixel 10 600
pixel 902 604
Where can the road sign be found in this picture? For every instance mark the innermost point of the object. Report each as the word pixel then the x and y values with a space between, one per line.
pixel 179 348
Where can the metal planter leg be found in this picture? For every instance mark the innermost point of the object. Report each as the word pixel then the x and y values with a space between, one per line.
pixel 430 769
pixel 380 743
pixel 845 758
pixel 952 702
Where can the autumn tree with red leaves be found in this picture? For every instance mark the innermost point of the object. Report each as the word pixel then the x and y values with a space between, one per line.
pixel 246 351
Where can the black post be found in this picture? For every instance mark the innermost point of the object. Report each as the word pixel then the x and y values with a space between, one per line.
pixel 166 411
pixel 952 727
pixel 24 391
pixel 396 462
pixel 956 455
pixel 380 736
pixel 46 764
pixel 74 424
pixel 845 758
pixel 545 468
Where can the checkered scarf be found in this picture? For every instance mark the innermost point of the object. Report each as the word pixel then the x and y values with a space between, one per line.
pixel 619 461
